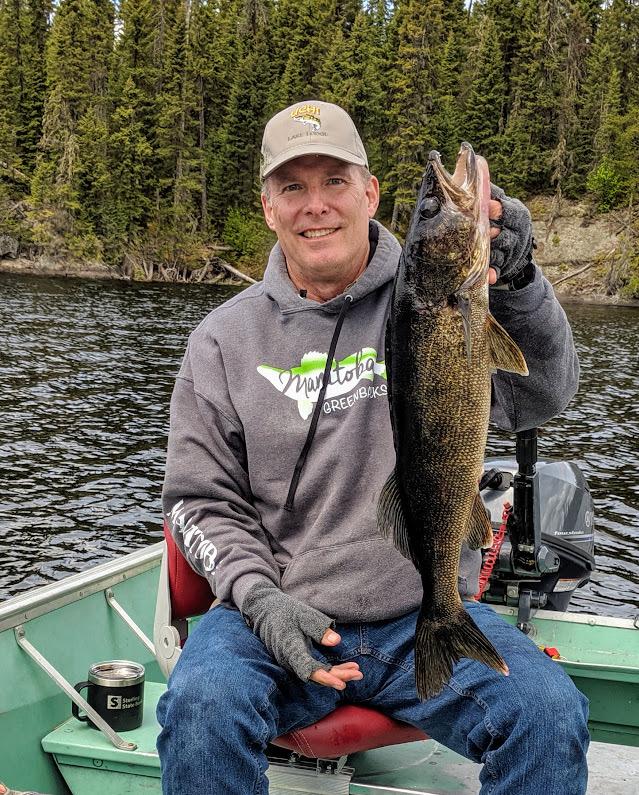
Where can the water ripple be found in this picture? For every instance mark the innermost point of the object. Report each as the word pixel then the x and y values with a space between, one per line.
pixel 87 370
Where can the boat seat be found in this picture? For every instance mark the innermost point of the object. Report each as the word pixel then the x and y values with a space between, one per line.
pixel 183 594
pixel 90 764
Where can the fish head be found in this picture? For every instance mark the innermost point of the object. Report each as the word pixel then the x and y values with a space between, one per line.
pixel 447 247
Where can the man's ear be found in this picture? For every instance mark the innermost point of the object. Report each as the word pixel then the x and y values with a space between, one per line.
pixel 372 194
pixel 268 212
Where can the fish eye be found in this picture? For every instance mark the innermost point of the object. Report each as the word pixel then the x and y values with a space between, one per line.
pixel 429 207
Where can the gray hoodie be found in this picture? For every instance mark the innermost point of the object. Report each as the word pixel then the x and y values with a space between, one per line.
pixel 240 413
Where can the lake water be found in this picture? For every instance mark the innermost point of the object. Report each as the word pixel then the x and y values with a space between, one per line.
pixel 87 370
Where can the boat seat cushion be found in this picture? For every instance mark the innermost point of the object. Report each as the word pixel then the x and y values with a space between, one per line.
pixel 347 730
pixel 191 594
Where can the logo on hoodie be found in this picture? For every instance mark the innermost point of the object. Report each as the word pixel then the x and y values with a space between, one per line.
pixel 303 382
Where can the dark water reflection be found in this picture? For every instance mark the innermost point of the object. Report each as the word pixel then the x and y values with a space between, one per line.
pixel 87 370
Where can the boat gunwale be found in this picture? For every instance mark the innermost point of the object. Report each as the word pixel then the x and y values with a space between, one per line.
pixel 574 618
pixel 47 598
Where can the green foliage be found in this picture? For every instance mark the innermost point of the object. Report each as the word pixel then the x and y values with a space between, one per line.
pixel 631 288
pixel 247 235
pixel 135 125
pixel 606 185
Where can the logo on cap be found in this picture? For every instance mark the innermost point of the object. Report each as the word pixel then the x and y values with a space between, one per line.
pixel 307 114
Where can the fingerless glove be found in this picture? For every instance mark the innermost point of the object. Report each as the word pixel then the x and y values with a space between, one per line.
pixel 285 626
pixel 511 250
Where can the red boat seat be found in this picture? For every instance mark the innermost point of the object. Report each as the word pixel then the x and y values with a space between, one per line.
pixel 345 731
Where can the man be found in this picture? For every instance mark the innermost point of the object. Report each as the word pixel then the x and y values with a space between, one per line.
pixel 271 491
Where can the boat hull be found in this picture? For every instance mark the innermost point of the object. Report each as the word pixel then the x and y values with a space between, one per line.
pixel 72 624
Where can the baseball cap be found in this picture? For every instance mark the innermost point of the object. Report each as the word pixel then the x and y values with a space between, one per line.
pixel 310 128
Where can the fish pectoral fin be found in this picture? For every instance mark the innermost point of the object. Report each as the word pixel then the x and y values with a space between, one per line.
pixel 390 516
pixel 480 531
pixel 504 352
pixel 305 408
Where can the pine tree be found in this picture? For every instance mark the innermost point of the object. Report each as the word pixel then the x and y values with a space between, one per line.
pixel 11 88
pixel 175 131
pixel 353 76
pixel 36 31
pixel 210 64
pixel 303 31
pixel 78 51
pixel 420 75
pixel 485 97
pixel 131 170
pixel 534 142
pixel 236 179
pixel 614 48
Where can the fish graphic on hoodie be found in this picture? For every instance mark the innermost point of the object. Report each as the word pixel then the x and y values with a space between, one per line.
pixel 303 382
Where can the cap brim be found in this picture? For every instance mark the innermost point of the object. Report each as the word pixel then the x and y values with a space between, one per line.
pixel 313 149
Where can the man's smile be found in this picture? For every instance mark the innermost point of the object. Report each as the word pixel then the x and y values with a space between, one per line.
pixel 319 232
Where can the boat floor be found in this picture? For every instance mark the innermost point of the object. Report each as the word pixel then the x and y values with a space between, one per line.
pixel 413 768
pixel 613 770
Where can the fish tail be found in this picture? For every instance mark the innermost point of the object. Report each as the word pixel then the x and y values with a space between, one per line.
pixel 439 644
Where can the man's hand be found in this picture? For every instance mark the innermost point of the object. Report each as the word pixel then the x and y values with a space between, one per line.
pixel 338 675
pixel 511 237
pixel 495 211
pixel 285 625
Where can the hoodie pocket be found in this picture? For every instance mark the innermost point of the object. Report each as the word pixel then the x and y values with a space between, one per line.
pixel 354 581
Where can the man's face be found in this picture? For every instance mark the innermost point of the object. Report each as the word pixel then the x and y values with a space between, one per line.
pixel 319 208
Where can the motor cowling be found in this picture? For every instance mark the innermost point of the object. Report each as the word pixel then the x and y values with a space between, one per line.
pixel 548 550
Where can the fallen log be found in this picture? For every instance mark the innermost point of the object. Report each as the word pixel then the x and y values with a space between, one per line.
pixel 598 261
pixel 235 271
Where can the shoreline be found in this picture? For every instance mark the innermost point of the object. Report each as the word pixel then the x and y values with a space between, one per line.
pixel 50 268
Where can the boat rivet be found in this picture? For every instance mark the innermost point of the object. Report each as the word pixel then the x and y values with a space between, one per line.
pixel 97 763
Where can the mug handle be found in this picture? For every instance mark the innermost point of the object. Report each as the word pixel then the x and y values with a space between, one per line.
pixel 74 707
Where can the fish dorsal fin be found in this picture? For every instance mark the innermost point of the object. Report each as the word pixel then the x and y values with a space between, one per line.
pixel 504 352
pixel 480 531
pixel 390 516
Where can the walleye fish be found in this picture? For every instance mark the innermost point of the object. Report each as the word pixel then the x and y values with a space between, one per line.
pixel 441 346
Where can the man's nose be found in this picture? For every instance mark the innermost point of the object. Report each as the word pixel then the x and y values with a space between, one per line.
pixel 316 203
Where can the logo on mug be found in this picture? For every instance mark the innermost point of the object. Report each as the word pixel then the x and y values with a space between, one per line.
pixel 114 702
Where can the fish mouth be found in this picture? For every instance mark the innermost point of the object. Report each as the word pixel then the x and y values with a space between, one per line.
pixel 467 190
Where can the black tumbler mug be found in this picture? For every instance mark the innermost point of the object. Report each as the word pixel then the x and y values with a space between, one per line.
pixel 116 693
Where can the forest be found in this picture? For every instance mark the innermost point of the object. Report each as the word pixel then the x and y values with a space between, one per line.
pixel 130 129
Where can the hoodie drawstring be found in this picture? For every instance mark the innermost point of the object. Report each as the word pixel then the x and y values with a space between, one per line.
pixel 297 472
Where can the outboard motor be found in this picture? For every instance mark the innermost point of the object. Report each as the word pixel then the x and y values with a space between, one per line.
pixel 548 550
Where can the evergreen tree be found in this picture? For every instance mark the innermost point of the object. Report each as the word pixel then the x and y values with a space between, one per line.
pixel 485 95
pixel 614 48
pixel 533 145
pixel 11 87
pixel 176 131
pixel 303 31
pixel 236 182
pixel 131 170
pixel 36 30
pixel 213 45
pixel 71 168
pixel 419 78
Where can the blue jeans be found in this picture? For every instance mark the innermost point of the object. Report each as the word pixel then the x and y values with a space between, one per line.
pixel 227 698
